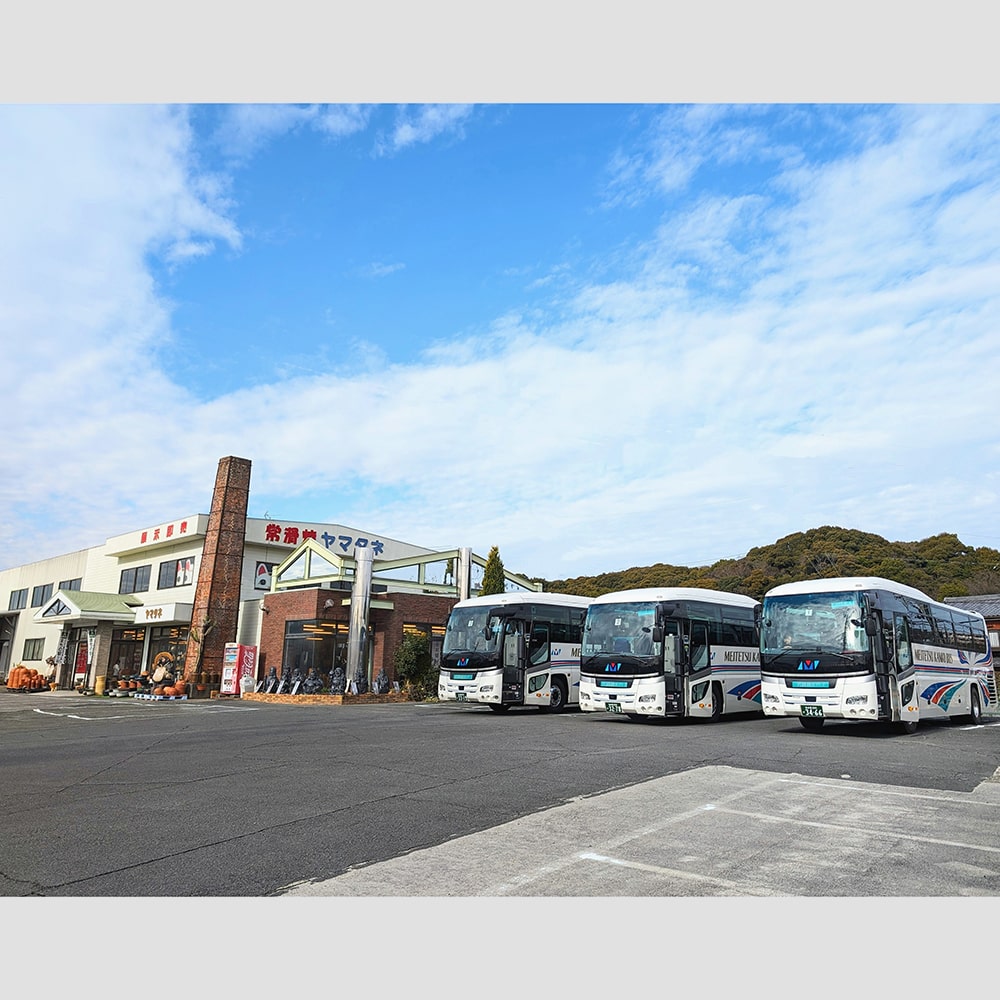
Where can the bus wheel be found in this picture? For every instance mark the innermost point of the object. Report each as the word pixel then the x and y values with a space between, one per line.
pixel 811 723
pixel 975 709
pixel 908 727
pixel 557 695
pixel 716 702
pixel 499 708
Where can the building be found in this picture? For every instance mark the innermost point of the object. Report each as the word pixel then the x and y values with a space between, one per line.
pixel 988 605
pixel 178 592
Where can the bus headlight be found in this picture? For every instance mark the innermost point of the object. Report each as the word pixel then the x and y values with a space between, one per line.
pixel 771 699
pixel 643 698
pixel 485 687
pixel 856 699
pixel 584 696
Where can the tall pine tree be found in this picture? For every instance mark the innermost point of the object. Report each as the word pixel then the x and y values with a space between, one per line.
pixel 494 581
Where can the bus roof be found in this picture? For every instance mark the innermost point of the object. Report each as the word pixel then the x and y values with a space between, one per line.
pixel 525 597
pixel 840 583
pixel 676 594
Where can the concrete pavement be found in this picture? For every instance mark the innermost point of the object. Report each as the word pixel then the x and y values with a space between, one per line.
pixel 716 831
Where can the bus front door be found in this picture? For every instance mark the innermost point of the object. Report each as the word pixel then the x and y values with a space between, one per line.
pixel 673 670
pixel 906 708
pixel 701 698
pixel 514 654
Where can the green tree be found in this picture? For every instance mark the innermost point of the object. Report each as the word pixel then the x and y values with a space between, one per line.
pixel 414 667
pixel 494 581
pixel 941 566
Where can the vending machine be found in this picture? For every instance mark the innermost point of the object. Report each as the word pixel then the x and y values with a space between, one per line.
pixel 238 662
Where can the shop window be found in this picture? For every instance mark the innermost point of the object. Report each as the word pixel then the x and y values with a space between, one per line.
pixel 18 600
pixel 126 651
pixel 75 584
pixel 39 595
pixel 315 643
pixel 33 649
pixel 171 641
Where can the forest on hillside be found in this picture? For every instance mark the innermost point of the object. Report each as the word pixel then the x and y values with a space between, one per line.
pixel 941 566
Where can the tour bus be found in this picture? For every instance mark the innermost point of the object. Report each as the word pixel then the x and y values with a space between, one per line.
pixel 871 649
pixel 655 652
pixel 518 648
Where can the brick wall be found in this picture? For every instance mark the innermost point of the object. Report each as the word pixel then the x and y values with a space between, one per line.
pixel 415 608
pixel 387 626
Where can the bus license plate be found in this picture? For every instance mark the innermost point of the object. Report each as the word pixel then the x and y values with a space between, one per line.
pixel 814 710
pixel 460 696
pixel 612 706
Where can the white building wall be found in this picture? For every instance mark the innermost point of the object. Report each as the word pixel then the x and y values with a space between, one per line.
pixel 100 567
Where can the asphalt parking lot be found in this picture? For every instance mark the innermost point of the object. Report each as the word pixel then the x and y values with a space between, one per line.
pixel 427 800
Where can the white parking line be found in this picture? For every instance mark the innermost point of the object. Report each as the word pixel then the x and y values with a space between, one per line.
pixel 82 718
pixel 865 830
pixel 722 883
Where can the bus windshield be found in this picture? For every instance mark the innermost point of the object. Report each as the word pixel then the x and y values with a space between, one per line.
pixel 620 629
pixel 823 623
pixel 465 631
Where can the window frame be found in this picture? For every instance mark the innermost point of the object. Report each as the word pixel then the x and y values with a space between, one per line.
pixel 136 577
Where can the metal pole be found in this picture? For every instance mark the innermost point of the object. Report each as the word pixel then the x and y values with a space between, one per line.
pixel 357 634
pixel 463 577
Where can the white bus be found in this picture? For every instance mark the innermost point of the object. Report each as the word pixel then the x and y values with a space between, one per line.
pixel 871 649
pixel 670 651
pixel 520 648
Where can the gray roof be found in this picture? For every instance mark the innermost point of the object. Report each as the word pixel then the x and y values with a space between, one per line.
pixel 988 605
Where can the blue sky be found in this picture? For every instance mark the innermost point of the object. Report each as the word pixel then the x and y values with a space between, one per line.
pixel 596 335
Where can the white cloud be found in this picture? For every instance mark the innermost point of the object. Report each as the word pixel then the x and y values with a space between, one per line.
pixel 245 128
pixel 425 123
pixel 378 269
pixel 767 367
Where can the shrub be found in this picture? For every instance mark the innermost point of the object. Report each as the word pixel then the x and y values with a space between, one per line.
pixel 414 667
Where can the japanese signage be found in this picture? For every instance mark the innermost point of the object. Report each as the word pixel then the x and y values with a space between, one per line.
pixel 164 533
pixel 292 535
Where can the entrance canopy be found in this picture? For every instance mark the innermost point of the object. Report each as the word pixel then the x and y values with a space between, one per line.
pixel 87 606
pixel 312 565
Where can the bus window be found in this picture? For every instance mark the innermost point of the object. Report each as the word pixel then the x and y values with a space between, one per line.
pixel 538 649
pixel 671 635
pixel 904 659
pixel 699 646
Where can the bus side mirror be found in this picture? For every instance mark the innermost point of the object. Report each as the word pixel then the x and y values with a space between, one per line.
pixel 657 633
pixel 871 625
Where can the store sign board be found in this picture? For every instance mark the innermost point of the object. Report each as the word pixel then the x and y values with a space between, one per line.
pixel 156 614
